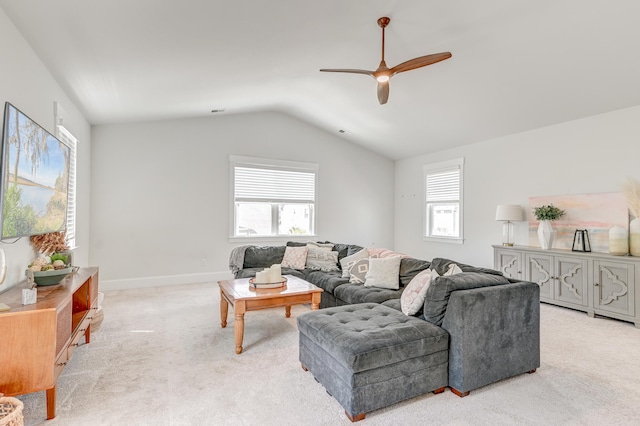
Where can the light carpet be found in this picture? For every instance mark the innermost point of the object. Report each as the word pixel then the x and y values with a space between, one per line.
pixel 160 358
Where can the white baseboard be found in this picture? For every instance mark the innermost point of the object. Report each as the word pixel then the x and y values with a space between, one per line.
pixel 147 282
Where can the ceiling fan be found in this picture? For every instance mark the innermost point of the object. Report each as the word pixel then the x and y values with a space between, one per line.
pixel 383 73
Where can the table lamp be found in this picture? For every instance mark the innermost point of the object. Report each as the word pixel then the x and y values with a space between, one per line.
pixel 508 213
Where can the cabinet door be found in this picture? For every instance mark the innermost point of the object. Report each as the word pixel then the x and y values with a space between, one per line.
pixel 509 263
pixel 539 269
pixel 614 287
pixel 571 281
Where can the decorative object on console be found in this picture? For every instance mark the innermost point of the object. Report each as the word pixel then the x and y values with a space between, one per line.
pixel 49 243
pixel 581 241
pixel 595 212
pixel 547 214
pixel 631 190
pixel 618 241
pixel 508 214
pixel 49 270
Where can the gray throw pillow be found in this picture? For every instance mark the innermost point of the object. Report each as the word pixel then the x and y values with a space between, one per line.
pixel 347 263
pixel 359 271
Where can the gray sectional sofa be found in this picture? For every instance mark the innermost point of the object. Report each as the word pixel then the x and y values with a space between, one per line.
pixel 475 328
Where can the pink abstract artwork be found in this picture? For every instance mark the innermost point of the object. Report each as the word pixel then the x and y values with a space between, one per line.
pixel 596 213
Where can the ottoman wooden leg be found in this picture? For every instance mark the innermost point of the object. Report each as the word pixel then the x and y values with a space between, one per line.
pixel 304 367
pixel 460 394
pixel 357 417
pixel 439 390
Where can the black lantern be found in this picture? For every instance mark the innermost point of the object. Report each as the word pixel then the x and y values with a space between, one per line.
pixel 581 241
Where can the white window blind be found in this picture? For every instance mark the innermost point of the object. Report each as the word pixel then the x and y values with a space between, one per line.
pixel 443 201
pixel 65 136
pixel 272 198
pixel 271 185
pixel 443 186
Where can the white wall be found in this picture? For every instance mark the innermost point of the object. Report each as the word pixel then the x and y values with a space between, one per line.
pixel 160 193
pixel 590 155
pixel 27 84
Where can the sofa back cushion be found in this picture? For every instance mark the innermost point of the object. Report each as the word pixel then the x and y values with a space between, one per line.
pixel 410 267
pixel 442 265
pixel 435 304
pixel 263 257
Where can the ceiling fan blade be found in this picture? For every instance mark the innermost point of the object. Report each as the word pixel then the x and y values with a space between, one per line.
pixel 383 92
pixel 419 62
pixel 351 71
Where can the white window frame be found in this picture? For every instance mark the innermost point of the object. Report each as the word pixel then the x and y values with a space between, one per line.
pixel 268 163
pixel 434 168
pixel 72 142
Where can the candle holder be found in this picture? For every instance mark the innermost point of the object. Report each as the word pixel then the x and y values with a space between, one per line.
pixel 581 241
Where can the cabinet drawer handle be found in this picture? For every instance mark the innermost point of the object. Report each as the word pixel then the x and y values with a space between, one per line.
pixel 61 364
pixel 595 284
pixel 76 344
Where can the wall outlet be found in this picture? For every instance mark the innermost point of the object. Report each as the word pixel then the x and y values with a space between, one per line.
pixel 203 262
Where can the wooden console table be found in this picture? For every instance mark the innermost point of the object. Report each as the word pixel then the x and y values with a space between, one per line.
pixel 38 339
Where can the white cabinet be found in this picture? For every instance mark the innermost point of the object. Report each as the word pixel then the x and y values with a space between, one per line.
pixel 597 283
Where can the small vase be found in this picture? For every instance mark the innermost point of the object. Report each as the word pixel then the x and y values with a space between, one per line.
pixel 545 234
pixel 634 237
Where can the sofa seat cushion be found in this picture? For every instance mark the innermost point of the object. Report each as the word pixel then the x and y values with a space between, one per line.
pixel 328 281
pixel 352 293
pixel 435 304
pixel 368 336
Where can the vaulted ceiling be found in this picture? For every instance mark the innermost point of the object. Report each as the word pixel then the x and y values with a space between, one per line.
pixel 516 65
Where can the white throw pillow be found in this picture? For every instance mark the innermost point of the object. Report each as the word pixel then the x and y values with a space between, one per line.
pixel 295 257
pixel 384 273
pixel 322 260
pixel 414 294
pixel 347 262
pixel 453 269
pixel 320 246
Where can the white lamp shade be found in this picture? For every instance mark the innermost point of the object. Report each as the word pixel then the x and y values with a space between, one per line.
pixel 509 212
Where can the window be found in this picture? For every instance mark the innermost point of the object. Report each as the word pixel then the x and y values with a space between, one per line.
pixel 65 136
pixel 272 198
pixel 443 201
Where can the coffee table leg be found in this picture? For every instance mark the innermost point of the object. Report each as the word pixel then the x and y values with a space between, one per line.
pixel 315 301
pixel 238 325
pixel 287 311
pixel 224 309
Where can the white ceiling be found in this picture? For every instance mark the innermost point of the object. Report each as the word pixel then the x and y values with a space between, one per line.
pixel 516 65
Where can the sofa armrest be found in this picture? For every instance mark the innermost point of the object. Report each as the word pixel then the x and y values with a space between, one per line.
pixel 494 334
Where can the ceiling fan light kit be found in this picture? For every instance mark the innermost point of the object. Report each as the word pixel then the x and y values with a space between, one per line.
pixel 383 73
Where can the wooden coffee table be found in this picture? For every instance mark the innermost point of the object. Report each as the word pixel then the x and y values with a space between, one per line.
pixel 244 297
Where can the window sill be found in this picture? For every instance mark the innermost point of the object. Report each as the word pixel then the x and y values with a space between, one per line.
pixel 444 240
pixel 274 238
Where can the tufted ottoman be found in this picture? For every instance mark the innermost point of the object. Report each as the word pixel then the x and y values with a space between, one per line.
pixel 369 356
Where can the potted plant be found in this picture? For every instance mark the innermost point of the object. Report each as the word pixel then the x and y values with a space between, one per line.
pixel 546 214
